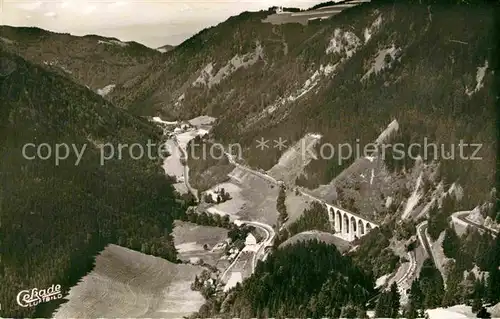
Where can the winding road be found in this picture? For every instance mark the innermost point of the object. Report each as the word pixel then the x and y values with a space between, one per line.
pixel 410 271
pixel 186 171
pixel 265 243
pixel 270 234
pixel 421 228
pixel 461 218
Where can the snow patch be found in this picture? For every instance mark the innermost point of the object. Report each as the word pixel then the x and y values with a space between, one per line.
pixel 388 202
pixel 455 312
pixel 481 71
pixel 372 29
pixel 206 77
pixel 381 281
pixel 392 127
pixel 323 72
pixel 312 82
pixel 106 90
pixel 380 62
pixel 345 43
pixel 113 42
pixel 157 119
pixel 457 191
pixel 414 198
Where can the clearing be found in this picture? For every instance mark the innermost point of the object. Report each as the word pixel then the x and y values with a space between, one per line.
pixel 189 239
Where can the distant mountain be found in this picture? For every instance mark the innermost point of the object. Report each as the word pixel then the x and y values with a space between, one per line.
pixel 97 62
pixel 54 217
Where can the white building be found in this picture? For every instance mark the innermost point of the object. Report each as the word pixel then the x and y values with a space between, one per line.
pixel 250 240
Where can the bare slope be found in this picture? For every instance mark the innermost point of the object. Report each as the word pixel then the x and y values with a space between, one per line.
pixel 125 283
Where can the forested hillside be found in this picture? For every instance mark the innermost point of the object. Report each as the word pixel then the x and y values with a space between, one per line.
pixel 308 279
pixel 55 218
pixel 93 61
pixel 430 66
pixel 427 64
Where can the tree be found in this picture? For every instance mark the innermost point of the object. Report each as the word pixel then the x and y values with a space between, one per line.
pixel 411 311
pixel 382 309
pixel 208 198
pixel 438 221
pixel 394 299
pixel 451 243
pixel 281 206
pixel 483 313
pixel 476 304
pixel 416 297
pixel 494 277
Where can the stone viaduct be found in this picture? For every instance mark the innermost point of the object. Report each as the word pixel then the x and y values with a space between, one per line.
pixel 348 225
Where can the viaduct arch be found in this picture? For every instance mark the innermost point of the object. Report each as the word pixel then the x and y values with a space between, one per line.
pixel 348 226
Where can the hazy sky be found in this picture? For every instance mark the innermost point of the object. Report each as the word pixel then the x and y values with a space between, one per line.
pixel 151 22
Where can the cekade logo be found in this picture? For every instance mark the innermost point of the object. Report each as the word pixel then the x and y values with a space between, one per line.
pixel 31 298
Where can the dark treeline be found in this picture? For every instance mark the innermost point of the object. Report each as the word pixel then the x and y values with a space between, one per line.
pixel 237 234
pixel 55 219
pixel 314 218
pixel 467 251
pixel 373 254
pixel 426 292
pixel 206 219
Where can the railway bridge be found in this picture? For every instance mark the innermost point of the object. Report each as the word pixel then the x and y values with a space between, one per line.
pixel 348 226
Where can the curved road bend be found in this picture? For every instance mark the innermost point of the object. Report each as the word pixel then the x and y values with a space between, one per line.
pixel 258 254
pixel 424 240
pixel 461 216
pixel 411 269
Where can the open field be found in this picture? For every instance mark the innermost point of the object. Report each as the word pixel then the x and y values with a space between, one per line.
pixel 126 283
pixel 254 198
pixel 305 16
pixel 325 237
pixel 189 240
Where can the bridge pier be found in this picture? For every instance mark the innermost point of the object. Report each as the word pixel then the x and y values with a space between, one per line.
pixel 347 225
